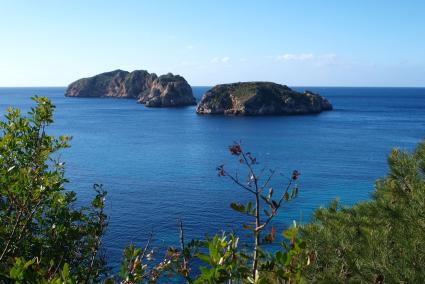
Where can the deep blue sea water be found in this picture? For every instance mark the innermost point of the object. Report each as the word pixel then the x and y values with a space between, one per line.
pixel 158 165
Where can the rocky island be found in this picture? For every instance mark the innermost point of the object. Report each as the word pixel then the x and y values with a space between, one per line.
pixel 164 91
pixel 168 90
pixel 260 98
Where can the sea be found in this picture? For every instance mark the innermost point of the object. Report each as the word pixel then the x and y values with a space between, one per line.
pixel 159 164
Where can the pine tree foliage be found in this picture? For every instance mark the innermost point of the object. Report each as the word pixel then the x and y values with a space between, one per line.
pixel 379 241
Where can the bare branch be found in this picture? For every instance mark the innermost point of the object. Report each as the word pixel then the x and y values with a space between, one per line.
pixel 6 248
pixel 238 182
pixel 146 246
pixel 185 260
pixel 272 172
pixel 251 170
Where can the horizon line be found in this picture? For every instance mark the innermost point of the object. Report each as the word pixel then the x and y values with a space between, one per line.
pixel 209 86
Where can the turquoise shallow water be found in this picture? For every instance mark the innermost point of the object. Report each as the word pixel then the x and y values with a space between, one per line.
pixel 158 165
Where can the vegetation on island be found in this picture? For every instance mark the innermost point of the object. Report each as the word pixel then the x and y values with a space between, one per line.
pixel 46 238
pixel 260 98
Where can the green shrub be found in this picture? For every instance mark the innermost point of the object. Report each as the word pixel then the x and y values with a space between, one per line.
pixel 42 236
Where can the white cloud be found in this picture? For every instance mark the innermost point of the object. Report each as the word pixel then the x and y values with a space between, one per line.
pixel 189 46
pixel 325 59
pixel 295 56
pixel 224 59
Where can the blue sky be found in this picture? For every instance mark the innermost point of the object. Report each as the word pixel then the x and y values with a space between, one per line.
pixel 299 43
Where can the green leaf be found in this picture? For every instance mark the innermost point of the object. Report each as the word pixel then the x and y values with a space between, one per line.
pixel 65 271
pixel 238 207
pixel 203 257
pixel 248 207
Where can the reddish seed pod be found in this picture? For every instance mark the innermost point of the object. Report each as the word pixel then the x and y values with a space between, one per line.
pixel 220 171
pixel 295 174
pixel 235 149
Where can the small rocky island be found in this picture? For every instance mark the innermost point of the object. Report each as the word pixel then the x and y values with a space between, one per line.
pixel 167 91
pixel 260 98
pixel 164 91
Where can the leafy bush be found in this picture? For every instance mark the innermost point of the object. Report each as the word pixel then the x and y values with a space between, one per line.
pixel 42 235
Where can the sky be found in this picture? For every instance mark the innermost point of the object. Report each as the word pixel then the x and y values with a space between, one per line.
pixel 298 43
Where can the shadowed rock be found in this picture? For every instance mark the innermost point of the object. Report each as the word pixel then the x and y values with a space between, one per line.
pixel 169 90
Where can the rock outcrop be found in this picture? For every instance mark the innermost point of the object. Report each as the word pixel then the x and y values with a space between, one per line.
pixel 165 91
pixel 260 98
pixel 169 90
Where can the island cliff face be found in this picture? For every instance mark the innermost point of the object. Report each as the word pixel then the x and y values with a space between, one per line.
pixel 169 90
pixel 165 91
pixel 260 98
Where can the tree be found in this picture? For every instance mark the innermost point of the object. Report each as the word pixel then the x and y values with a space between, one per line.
pixel 259 188
pixel 378 241
pixel 43 237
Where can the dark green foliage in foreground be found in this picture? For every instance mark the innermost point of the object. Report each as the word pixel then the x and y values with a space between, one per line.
pixel 42 235
pixel 379 241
